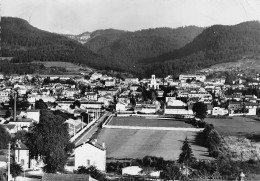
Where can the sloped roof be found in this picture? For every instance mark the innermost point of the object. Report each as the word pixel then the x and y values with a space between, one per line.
pixel 93 143
pixel 65 177
pixel 22 146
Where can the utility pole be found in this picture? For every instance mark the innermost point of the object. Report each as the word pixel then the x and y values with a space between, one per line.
pixel 14 111
pixel 9 162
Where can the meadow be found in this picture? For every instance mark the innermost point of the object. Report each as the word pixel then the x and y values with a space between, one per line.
pixel 130 144
pixel 148 122
pixel 237 126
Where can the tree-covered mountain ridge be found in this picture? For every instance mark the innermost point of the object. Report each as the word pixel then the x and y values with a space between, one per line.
pixel 126 47
pixel 26 44
pixel 159 51
pixel 216 44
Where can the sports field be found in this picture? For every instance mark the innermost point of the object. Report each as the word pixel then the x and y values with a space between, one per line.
pixel 126 143
pixel 237 126
pixel 148 122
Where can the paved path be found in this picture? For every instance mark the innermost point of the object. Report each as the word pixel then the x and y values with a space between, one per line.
pixel 90 131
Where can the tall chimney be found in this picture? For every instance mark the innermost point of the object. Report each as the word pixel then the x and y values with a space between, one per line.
pixel 14 116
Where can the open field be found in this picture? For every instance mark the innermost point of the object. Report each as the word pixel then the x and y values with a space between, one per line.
pixel 67 65
pixel 247 64
pixel 126 143
pixel 237 126
pixel 148 122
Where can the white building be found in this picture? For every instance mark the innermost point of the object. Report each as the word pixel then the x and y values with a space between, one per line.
pixel 110 82
pixel 121 106
pixel 184 77
pixel 96 76
pixel 153 83
pixel 4 96
pixel 33 114
pixel 91 96
pixel 131 80
pixel 178 110
pixel 22 155
pixel 219 111
pixel 91 153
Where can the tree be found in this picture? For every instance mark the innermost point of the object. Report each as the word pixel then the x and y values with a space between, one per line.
pixel 21 135
pixel 5 137
pixel 92 171
pixel 15 169
pixel 188 81
pixel 50 141
pixel 8 114
pixel 85 117
pixel 40 104
pixel 133 101
pixel 200 110
pixel 21 104
pixel 258 111
pixel 186 155
pixel 171 172
pixel 77 103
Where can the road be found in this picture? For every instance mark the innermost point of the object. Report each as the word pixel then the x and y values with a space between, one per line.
pixel 89 132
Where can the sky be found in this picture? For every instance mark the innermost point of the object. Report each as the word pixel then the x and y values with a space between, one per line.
pixel 78 16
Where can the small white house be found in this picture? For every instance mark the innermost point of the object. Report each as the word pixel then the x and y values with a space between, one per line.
pixel 33 114
pixel 121 106
pixel 219 111
pixel 91 153
pixel 22 155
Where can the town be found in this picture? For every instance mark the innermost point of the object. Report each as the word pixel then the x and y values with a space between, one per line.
pixel 118 128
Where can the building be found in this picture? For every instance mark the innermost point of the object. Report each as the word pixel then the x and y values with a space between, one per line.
pixel 4 96
pixel 91 153
pixel 178 110
pixel 153 83
pixel 22 155
pixel 91 96
pixel 33 114
pixel 131 81
pixel 184 77
pixel 121 106
pixel 134 87
pixel 110 82
pixel 219 111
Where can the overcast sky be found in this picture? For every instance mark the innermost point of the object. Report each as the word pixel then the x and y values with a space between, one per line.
pixel 77 16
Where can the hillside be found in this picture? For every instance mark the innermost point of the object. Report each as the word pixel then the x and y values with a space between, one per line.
pixel 102 38
pixel 27 43
pixel 129 47
pixel 159 51
pixel 248 64
pixel 216 44
pixel 81 38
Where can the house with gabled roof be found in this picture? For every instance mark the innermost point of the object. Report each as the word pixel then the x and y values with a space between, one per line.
pixel 91 153
pixel 22 154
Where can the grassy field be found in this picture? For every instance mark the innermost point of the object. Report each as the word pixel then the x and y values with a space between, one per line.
pixel 237 126
pixel 67 65
pixel 125 143
pixel 148 122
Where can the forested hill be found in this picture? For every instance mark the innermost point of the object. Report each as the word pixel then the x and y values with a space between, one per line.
pixel 27 43
pixel 215 44
pixel 102 38
pixel 128 47
pixel 159 51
